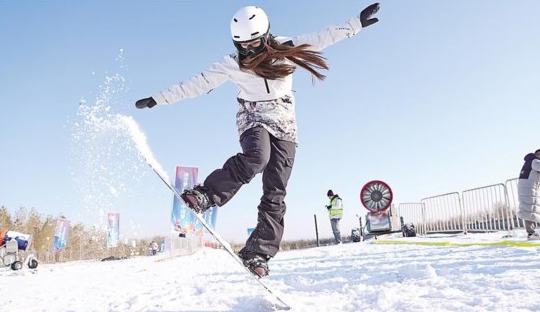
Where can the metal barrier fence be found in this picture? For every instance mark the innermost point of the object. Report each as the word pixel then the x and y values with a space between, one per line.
pixel 180 246
pixel 513 201
pixel 486 208
pixel 413 213
pixel 512 191
pixel 443 213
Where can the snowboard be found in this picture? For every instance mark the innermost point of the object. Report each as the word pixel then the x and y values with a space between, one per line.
pixel 223 243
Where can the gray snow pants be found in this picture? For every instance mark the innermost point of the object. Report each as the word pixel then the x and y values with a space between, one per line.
pixel 335 229
pixel 262 152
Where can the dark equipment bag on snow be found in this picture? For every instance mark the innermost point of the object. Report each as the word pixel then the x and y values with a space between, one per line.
pixel 408 230
pixel 355 235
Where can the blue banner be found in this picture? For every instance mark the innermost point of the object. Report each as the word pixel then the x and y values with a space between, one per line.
pixel 181 217
pixel 61 234
pixel 113 229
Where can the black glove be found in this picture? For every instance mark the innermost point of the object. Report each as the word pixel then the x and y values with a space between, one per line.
pixel 365 15
pixel 148 102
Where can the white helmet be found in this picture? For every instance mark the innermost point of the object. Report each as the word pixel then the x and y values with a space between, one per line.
pixel 248 24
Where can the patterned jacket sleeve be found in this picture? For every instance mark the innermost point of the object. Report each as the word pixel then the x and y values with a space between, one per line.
pixel 202 83
pixel 331 35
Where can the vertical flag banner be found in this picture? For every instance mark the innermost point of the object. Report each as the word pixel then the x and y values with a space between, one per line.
pixel 113 229
pixel 181 218
pixel 60 234
pixel 210 216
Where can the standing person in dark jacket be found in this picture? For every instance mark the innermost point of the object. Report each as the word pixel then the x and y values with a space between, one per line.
pixel 335 212
pixel 262 68
pixel 529 194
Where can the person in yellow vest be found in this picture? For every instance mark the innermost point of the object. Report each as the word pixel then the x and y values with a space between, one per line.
pixel 335 212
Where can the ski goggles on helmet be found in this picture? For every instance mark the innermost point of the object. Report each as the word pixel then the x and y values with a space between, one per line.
pixel 251 48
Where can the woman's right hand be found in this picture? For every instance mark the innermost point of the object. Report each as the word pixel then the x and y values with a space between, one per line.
pixel 147 102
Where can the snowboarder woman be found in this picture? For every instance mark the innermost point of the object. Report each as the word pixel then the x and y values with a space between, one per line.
pixel 261 68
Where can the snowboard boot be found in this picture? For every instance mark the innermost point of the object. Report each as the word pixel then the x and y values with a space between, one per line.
pixel 197 199
pixel 256 263
pixel 533 236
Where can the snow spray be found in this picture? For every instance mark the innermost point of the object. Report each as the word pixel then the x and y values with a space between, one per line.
pixel 139 138
pixel 109 153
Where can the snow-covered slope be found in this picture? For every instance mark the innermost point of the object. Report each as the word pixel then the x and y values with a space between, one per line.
pixel 349 277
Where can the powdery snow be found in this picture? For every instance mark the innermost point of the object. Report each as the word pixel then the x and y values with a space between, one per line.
pixel 105 161
pixel 109 152
pixel 349 277
pixel 139 138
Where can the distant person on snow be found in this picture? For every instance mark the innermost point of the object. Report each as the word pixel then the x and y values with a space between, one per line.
pixel 335 212
pixel 154 248
pixel 261 68
pixel 529 194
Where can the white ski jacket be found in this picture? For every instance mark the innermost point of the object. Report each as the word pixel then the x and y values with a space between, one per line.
pixel 529 190
pixel 266 103
pixel 252 87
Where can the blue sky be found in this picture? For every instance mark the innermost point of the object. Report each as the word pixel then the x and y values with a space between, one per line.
pixel 439 96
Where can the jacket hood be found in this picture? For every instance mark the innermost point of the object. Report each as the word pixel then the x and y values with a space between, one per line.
pixel 529 157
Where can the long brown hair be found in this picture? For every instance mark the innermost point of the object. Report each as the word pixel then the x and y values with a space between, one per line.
pixel 269 63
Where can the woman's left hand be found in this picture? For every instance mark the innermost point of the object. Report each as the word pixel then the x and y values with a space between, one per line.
pixel 365 15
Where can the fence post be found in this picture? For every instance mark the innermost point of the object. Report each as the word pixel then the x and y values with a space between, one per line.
pixel 509 223
pixel 361 228
pixel 316 230
pixel 462 212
